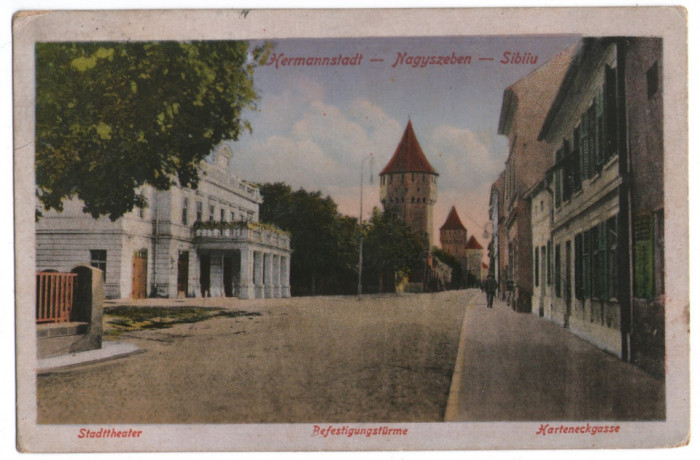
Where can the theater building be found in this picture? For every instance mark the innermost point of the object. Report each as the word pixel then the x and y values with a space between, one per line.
pixel 186 243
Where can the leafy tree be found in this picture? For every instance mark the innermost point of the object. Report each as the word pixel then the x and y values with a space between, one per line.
pixel 111 117
pixel 390 247
pixel 323 241
pixel 456 281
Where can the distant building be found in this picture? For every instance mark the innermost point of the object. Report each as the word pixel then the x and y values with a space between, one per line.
pixel 408 186
pixel 204 242
pixel 605 132
pixel 475 252
pixel 525 105
pixel 453 239
pixel 498 251
pixel 539 198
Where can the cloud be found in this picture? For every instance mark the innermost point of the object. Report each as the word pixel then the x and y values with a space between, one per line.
pixel 307 142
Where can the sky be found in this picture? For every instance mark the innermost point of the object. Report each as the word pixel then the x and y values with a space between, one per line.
pixel 315 124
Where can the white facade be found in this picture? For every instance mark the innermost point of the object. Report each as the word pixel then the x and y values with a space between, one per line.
pixel 541 218
pixel 180 245
pixel 586 183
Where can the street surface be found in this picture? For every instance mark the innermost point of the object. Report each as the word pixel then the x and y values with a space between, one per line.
pixel 330 359
pixel 519 367
pixel 322 359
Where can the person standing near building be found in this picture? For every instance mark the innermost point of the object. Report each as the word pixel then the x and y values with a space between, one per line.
pixel 490 286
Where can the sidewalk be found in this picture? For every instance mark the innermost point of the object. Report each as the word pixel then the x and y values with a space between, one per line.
pixel 517 366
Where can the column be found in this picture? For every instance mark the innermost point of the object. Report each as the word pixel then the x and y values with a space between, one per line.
pixel 258 274
pixel 276 288
pixel 284 275
pixel 267 274
pixel 245 288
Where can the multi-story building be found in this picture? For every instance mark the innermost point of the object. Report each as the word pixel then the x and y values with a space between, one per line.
pixel 204 242
pixel 525 104
pixel 498 252
pixel 605 131
pixel 408 186
pixel 453 238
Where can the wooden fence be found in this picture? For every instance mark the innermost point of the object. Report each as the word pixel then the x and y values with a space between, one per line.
pixel 54 296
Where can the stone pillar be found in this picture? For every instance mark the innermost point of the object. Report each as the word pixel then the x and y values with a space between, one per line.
pixel 258 274
pixel 276 288
pixel 245 286
pixel 267 275
pixel 284 275
pixel 88 306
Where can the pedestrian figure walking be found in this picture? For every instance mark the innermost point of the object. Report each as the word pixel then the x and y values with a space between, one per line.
pixel 490 286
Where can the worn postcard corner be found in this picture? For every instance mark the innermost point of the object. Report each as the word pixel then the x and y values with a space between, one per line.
pixel 434 230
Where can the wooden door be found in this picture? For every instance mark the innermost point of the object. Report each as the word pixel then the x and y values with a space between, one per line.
pixel 183 269
pixel 138 278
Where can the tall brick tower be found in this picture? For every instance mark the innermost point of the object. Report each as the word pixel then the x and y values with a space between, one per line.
pixel 408 186
pixel 453 238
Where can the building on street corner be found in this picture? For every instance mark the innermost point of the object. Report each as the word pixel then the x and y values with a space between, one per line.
pixel 197 243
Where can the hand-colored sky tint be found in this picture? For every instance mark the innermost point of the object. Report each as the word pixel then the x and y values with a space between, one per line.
pixel 316 124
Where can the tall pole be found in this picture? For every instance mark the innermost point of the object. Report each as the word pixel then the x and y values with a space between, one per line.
pixel 362 174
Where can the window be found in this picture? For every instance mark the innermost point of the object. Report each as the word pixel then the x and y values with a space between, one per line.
pixel 586 263
pixel 250 216
pixel 612 257
pixel 558 157
pixel 600 277
pixel 549 263
pixel 611 115
pixel 543 264
pixel 578 266
pixel 233 216
pixel 557 271
pixel 199 211
pixel 222 215
pixel 98 259
pixel 185 210
pixel 140 212
pixel 652 80
pixel 660 269
pixel 211 212
pixel 537 268
pixel 643 256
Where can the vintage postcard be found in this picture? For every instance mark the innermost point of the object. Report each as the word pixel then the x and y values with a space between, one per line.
pixel 364 230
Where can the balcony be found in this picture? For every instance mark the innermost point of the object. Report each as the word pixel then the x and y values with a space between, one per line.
pixel 229 235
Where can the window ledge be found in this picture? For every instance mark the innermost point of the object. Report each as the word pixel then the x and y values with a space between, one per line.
pixel 611 162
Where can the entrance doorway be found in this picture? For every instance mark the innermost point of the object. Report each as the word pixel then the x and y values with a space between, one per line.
pixel 232 273
pixel 138 274
pixel 205 274
pixel 183 269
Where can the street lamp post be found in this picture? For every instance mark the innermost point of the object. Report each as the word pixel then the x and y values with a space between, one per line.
pixel 362 173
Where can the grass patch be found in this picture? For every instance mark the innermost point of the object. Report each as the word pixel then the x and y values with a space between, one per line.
pixel 118 320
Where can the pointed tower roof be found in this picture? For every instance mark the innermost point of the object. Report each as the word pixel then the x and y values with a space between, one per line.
pixel 473 244
pixel 408 157
pixel 453 221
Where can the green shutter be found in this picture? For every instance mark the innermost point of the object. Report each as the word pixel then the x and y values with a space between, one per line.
pixel 643 256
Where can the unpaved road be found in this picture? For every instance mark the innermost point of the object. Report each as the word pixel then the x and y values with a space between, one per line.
pixel 323 359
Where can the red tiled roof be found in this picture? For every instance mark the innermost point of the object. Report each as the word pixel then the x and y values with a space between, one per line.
pixel 453 221
pixel 473 244
pixel 408 157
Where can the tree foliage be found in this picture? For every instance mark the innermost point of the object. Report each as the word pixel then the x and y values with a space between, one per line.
pixel 111 117
pixel 324 242
pixel 390 246
pixel 456 281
